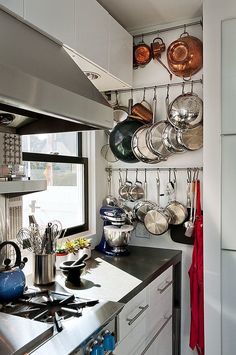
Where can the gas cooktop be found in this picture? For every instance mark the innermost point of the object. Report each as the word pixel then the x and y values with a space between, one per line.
pixel 73 323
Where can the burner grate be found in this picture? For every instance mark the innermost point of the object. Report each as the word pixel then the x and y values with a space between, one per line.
pixel 48 307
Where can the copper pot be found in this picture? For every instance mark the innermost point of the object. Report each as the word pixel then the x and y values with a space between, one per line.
pixel 157 47
pixel 142 54
pixel 142 112
pixel 184 56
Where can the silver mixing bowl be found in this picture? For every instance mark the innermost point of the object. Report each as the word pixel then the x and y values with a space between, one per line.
pixel 118 237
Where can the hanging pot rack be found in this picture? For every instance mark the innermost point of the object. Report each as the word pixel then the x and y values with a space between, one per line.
pixel 166 29
pixel 160 86
pixel 110 169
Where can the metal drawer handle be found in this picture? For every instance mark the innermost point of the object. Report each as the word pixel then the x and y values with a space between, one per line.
pixel 142 309
pixel 157 334
pixel 168 283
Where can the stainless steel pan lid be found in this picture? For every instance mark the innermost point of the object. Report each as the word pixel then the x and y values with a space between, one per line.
pixel 191 139
pixel 154 139
pixel 169 138
pixel 140 147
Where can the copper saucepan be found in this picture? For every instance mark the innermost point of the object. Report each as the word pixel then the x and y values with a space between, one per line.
pixel 142 54
pixel 184 56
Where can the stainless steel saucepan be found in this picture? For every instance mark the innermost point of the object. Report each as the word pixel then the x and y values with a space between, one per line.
pixel 157 220
pixel 142 207
pixel 176 209
pixel 136 191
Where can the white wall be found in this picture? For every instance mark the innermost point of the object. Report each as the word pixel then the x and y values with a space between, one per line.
pixel 154 74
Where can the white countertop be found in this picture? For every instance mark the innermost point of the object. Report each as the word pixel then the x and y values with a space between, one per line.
pixel 102 280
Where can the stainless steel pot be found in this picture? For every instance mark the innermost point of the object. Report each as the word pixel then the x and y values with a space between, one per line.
pixel 124 186
pixel 136 191
pixel 157 220
pixel 176 209
pixel 142 207
pixel 186 111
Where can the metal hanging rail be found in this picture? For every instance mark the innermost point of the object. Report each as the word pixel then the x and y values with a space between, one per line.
pixel 161 86
pixel 109 169
pixel 161 30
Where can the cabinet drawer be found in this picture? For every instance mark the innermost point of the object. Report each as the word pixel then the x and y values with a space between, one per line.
pixel 160 301
pixel 132 314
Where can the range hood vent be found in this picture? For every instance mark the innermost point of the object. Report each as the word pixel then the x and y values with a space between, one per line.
pixel 43 87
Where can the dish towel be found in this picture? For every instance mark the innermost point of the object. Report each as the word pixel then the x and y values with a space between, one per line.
pixel 196 282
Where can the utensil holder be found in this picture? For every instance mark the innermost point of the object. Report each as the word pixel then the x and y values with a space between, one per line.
pixel 44 268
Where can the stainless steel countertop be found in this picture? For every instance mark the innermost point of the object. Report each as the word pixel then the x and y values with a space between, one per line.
pixel 77 331
pixel 20 335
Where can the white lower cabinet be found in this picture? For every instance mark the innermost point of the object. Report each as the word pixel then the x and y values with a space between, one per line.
pixel 145 323
pixel 162 343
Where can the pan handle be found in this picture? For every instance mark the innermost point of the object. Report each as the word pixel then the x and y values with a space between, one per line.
pixel 158 187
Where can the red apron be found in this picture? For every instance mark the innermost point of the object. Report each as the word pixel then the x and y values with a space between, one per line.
pixel 196 282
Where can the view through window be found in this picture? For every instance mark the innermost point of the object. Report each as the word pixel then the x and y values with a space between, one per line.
pixel 66 173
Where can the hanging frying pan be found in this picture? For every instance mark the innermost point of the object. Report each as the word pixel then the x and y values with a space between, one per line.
pixel 121 137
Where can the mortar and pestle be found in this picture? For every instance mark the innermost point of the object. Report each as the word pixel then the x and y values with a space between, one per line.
pixel 73 270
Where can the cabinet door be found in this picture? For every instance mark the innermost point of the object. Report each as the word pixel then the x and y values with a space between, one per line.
pixel 92 27
pixel 228 192
pixel 228 302
pixel 120 52
pixel 16 6
pixel 55 17
pixel 228 75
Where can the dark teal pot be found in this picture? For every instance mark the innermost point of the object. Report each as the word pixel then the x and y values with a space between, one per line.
pixel 121 138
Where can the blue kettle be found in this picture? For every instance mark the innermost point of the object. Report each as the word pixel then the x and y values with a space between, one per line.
pixel 12 279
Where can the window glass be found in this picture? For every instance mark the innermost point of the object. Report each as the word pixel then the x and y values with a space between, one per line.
pixel 53 143
pixel 63 200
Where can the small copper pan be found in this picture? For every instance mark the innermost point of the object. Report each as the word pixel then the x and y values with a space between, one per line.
pixel 142 54
pixel 184 56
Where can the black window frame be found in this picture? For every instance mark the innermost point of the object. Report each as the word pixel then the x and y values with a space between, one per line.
pixel 57 158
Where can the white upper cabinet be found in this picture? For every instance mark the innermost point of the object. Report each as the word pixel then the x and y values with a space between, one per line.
pixel 95 40
pixel 16 6
pixel 228 75
pixel 92 31
pixel 120 52
pixel 55 17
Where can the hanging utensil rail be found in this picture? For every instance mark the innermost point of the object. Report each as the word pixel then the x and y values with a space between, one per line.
pixel 166 29
pixel 155 169
pixel 160 86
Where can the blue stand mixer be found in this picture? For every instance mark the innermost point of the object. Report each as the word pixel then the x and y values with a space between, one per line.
pixel 116 231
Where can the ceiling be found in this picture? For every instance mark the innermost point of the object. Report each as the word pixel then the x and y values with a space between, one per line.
pixel 137 14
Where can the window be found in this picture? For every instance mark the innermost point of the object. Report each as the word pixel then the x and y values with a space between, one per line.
pixel 57 158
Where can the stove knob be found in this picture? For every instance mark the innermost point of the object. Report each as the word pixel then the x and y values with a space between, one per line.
pixel 109 341
pixel 97 349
